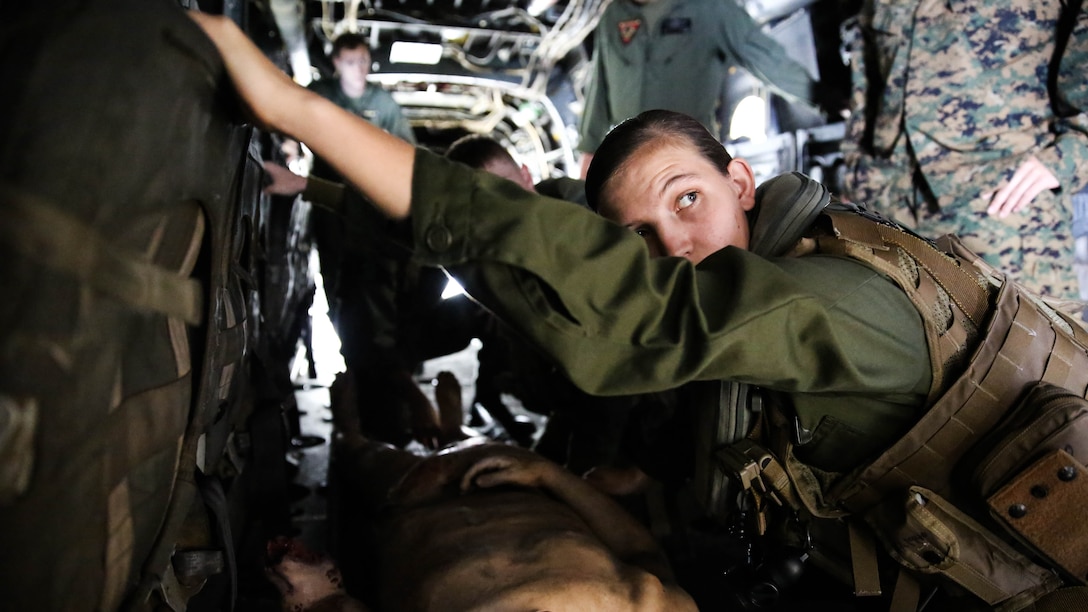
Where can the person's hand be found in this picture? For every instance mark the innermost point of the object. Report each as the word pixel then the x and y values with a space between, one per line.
pixel 260 84
pixel 514 466
pixel 282 181
pixel 1029 180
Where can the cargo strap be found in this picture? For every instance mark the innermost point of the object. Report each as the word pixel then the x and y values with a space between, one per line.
pixel 215 498
pixel 18 426
pixel 39 231
pixel 863 559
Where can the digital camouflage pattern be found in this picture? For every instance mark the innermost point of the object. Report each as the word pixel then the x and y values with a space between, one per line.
pixel 949 100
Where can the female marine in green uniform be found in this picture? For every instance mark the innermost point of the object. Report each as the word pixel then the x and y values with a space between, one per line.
pixel 619 317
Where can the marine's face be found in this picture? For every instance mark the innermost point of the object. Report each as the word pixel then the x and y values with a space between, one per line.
pixel 353 66
pixel 680 203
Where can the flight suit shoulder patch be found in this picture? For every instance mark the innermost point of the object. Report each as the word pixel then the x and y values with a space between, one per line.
pixel 628 29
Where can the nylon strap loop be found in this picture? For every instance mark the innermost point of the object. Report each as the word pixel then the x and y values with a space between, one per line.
pixel 962 286
pixel 40 232
pixel 906 594
pixel 863 559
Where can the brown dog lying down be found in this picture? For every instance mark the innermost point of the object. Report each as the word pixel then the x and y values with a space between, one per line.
pixel 497 527
pixel 308 581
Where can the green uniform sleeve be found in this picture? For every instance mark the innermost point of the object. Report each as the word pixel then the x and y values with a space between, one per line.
pixel 324 193
pixel 618 321
pixel 595 117
pixel 762 55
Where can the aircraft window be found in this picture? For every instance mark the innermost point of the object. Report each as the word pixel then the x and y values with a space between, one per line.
pixel 749 120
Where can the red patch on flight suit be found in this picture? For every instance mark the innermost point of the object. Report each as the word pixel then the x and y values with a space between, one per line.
pixel 628 28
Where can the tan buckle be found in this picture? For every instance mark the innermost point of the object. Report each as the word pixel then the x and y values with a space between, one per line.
pixel 745 460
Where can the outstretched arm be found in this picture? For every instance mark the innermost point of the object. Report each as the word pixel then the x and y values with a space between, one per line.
pixel 377 163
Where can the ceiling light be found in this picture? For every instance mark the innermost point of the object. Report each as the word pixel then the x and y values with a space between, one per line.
pixel 415 53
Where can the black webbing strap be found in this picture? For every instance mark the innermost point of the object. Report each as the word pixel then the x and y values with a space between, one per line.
pixel 1066 21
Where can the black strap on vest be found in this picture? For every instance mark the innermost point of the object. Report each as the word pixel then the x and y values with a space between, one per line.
pixel 1066 22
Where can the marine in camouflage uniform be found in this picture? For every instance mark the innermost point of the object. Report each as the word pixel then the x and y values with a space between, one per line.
pixel 1073 85
pixel 949 100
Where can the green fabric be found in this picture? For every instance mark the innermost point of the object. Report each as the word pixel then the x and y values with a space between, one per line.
pixel 835 335
pixel 325 193
pixel 376 105
pixel 679 64
pixel 564 188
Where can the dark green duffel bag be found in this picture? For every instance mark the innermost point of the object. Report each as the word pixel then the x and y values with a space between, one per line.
pixel 122 328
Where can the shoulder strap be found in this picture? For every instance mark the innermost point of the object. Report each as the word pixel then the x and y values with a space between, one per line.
pixel 937 284
pixel 1066 22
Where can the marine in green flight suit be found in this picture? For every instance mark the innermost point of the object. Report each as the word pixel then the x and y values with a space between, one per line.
pixel 371 287
pixel 673 54
pixel 837 336
pixel 376 105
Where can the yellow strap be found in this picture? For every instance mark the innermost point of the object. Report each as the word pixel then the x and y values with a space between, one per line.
pixel 42 233
pixel 120 540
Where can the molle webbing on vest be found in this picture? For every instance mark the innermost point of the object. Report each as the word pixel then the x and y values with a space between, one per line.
pixel 1023 345
pixel 985 357
pixel 952 300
